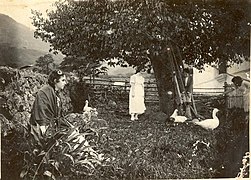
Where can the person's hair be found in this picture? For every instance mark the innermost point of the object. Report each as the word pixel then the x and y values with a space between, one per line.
pixel 186 70
pixel 54 75
pixel 237 80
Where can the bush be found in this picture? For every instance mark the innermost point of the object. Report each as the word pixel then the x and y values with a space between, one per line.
pixel 66 151
pixel 20 94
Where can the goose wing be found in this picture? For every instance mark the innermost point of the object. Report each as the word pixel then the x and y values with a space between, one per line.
pixel 180 119
pixel 208 123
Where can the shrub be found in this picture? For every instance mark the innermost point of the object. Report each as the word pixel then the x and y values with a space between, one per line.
pixel 20 94
pixel 66 151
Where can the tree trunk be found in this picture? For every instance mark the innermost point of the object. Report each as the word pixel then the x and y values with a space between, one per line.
pixel 223 66
pixel 163 75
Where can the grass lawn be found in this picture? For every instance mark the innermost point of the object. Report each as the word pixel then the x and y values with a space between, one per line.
pixel 153 148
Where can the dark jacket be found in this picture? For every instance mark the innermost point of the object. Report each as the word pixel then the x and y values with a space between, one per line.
pixel 189 85
pixel 45 107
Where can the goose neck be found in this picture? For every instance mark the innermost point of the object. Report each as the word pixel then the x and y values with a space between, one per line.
pixel 214 115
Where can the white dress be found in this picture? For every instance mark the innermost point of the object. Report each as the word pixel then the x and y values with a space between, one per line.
pixel 136 102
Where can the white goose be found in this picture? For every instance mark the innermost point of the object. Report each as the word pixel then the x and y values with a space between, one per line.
pixel 210 123
pixel 178 118
pixel 86 107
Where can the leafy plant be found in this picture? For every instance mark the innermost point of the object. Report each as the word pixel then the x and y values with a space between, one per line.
pixel 69 151
pixel 6 125
pixel 245 166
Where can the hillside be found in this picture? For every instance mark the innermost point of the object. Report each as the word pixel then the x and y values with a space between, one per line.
pixel 17 57
pixel 18 46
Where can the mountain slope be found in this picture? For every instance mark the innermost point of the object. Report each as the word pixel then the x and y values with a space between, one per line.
pixel 17 57
pixel 18 46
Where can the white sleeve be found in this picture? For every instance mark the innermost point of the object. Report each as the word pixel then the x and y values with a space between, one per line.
pixel 132 80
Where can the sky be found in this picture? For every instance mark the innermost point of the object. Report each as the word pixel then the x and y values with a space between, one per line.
pixel 20 10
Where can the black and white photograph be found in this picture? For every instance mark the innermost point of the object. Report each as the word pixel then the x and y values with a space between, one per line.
pixel 125 89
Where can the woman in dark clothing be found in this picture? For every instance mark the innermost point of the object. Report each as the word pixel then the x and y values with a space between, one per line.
pixel 46 107
pixel 188 91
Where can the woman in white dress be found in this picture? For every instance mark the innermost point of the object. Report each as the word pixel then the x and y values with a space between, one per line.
pixel 242 89
pixel 136 96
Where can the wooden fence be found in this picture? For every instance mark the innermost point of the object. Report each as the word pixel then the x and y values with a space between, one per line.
pixel 151 91
pixel 122 85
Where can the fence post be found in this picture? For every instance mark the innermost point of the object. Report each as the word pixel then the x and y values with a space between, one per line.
pixel 125 84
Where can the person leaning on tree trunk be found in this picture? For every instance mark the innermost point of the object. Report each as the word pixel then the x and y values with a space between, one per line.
pixel 47 105
pixel 188 91
pixel 242 89
pixel 240 93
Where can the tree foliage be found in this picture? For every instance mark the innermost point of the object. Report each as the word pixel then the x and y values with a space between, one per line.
pixel 46 62
pixel 139 32
pixel 135 31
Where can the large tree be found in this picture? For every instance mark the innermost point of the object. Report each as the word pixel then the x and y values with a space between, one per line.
pixel 46 62
pixel 139 32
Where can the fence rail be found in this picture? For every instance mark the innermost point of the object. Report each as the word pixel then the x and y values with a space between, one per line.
pixel 151 91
